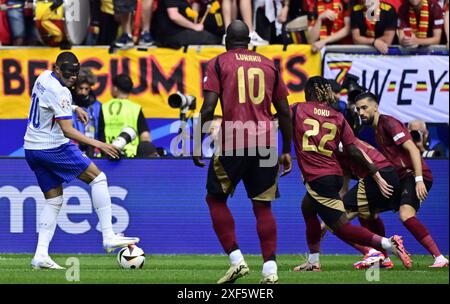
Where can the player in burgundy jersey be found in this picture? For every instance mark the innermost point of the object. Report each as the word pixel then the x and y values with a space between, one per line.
pixel 247 84
pixel 318 130
pixel 415 176
pixel 366 201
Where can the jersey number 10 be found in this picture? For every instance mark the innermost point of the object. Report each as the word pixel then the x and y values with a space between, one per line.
pixel 34 115
pixel 251 73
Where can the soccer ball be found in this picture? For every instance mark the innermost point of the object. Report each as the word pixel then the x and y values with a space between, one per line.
pixel 131 257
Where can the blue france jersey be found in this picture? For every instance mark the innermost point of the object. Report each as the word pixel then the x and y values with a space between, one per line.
pixel 50 101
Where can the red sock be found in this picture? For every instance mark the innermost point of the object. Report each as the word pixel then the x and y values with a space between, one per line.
pixel 267 230
pixel 363 249
pixel 420 232
pixel 223 223
pixel 376 226
pixel 359 235
pixel 313 231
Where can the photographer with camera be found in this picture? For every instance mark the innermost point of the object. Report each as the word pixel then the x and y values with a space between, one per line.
pixel 120 119
pixel 83 97
pixel 420 136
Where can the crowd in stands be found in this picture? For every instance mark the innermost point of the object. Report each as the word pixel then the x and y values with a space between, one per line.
pixel 176 23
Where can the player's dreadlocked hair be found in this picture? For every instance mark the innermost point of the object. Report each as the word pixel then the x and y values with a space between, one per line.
pixel 319 89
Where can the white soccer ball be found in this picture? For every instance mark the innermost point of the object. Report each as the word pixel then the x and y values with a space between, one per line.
pixel 131 257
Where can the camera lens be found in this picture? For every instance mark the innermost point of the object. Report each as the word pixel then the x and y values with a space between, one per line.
pixel 415 135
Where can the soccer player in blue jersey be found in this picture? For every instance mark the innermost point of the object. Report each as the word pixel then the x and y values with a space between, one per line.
pixel 54 159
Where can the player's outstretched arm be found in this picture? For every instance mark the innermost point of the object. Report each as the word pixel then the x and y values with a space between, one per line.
pixel 72 133
pixel 416 160
pixel 285 123
pixel 365 161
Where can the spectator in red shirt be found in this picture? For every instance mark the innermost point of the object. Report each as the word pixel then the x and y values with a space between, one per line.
pixel 421 23
pixel 377 30
pixel 330 23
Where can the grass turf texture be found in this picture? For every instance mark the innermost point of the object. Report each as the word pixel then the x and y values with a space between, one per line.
pixel 200 269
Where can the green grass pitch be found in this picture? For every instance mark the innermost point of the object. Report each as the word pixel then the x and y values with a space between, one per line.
pixel 201 269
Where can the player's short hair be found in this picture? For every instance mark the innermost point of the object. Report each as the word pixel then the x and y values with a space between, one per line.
pixel 123 83
pixel 319 89
pixel 68 57
pixel 238 33
pixel 368 95
pixel 86 76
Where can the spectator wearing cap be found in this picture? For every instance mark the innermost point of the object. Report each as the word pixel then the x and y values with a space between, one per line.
pixel 421 23
pixel 83 96
pixel 375 28
pixel 120 112
pixel 329 23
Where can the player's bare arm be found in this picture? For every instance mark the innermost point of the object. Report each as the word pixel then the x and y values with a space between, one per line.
pixel 285 123
pixel 416 160
pixel 206 116
pixel 72 133
pixel 359 157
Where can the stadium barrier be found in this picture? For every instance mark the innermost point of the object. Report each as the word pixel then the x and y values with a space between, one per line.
pixel 162 202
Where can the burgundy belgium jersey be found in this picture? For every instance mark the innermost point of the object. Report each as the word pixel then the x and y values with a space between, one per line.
pixel 356 169
pixel 390 135
pixel 247 83
pixel 318 129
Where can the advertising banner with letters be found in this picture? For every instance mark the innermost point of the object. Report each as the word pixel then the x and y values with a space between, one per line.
pixel 162 201
pixel 156 73
pixel 409 87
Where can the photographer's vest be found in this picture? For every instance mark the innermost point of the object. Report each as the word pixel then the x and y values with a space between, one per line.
pixel 118 114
